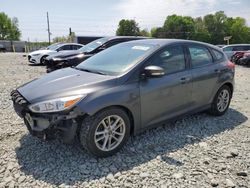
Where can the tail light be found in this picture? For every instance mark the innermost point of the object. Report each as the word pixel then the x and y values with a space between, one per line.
pixel 230 65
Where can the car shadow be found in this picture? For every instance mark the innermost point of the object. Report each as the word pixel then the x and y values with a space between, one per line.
pixel 57 163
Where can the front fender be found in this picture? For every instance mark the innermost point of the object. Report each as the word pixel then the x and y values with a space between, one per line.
pixel 127 96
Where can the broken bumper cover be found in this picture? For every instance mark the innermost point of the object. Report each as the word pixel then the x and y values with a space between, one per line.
pixel 44 125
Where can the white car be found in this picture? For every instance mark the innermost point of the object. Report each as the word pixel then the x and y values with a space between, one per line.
pixel 37 57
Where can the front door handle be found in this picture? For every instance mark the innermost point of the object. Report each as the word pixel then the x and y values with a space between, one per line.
pixel 184 80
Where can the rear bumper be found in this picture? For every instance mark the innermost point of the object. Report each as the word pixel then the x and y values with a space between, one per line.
pixel 44 125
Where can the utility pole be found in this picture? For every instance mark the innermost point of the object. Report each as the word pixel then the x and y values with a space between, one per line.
pixel 70 34
pixel 48 26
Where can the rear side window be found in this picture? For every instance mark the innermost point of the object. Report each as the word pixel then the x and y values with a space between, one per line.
pixel 217 55
pixel 76 47
pixel 238 48
pixel 65 47
pixel 171 59
pixel 200 56
pixel 228 49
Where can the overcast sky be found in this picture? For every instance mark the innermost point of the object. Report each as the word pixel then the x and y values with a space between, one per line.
pixel 101 17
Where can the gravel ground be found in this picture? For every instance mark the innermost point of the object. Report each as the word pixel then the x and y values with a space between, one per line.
pixel 197 151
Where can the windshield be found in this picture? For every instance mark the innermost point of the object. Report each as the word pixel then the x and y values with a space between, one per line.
pixel 93 45
pixel 53 46
pixel 117 59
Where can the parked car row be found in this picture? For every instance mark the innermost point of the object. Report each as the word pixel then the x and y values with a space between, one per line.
pixel 38 57
pixel 241 58
pixel 230 50
pixel 124 89
pixel 73 58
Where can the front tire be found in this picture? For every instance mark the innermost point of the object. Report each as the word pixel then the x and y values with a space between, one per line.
pixel 42 61
pixel 104 133
pixel 221 101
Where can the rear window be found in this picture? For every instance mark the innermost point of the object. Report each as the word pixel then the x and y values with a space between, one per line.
pixel 217 55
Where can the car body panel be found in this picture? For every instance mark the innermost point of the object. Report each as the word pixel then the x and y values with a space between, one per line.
pixel 64 83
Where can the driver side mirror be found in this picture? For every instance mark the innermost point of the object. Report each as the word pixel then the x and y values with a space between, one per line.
pixel 153 71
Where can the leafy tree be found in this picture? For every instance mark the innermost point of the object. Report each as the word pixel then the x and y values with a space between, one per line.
pixel 157 32
pixel 200 32
pixel 144 33
pixel 216 26
pixel 9 28
pixel 128 28
pixel 238 30
pixel 69 38
pixel 178 27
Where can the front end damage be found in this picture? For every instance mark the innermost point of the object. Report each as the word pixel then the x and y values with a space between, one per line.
pixel 47 126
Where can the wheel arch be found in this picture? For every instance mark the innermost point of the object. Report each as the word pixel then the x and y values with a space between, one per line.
pixel 43 56
pixel 127 111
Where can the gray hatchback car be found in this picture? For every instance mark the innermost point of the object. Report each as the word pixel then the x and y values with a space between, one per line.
pixel 124 90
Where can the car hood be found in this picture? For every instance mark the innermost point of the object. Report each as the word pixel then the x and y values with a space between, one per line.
pixel 65 54
pixel 64 82
pixel 41 52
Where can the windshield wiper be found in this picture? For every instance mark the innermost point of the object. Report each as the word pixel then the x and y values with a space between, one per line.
pixel 92 71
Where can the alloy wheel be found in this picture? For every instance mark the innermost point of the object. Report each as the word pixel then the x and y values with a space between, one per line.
pixel 110 133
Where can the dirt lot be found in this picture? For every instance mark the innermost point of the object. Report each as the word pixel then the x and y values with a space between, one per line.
pixel 197 151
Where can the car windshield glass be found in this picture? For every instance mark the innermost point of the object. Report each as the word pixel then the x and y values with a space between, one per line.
pixel 53 46
pixel 93 45
pixel 117 59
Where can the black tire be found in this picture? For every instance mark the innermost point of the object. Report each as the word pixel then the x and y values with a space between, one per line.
pixel 42 60
pixel 90 125
pixel 214 110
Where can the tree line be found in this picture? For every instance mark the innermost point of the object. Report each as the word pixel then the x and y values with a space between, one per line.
pixel 211 28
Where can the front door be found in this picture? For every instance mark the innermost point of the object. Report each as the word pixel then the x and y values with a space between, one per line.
pixel 170 95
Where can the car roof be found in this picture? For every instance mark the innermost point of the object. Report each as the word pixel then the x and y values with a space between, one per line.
pixel 164 42
pixel 70 44
pixel 232 45
pixel 125 37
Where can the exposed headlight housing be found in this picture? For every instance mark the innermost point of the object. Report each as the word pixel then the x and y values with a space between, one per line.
pixel 56 105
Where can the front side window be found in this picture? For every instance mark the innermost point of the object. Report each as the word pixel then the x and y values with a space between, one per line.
pixel 200 56
pixel 171 59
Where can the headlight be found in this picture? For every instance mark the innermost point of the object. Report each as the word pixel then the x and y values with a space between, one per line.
pixel 56 105
pixel 75 56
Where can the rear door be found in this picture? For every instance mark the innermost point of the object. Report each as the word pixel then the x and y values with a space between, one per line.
pixel 169 95
pixel 205 73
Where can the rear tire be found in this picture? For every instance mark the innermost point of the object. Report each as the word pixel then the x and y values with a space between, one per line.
pixel 221 101
pixel 104 133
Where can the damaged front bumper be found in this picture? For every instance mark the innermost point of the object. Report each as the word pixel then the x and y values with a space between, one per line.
pixel 46 126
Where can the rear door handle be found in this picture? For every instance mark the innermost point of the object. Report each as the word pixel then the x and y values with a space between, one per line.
pixel 217 70
pixel 184 80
